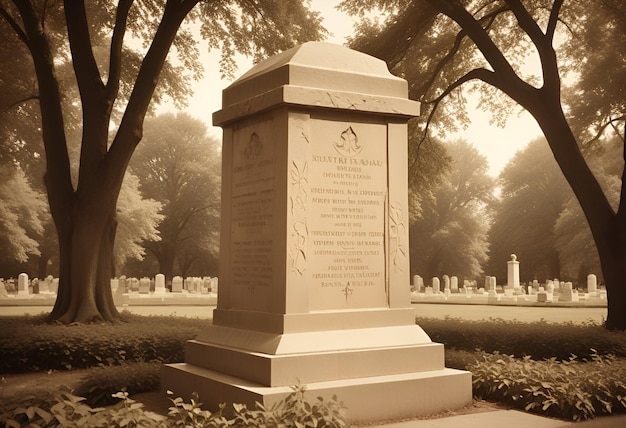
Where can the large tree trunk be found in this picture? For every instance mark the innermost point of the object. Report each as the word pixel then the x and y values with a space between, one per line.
pixel 607 227
pixel 86 251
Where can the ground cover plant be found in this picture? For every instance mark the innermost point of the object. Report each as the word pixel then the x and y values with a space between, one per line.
pixel 566 370
pixel 30 344
pixel 63 408
pixel 569 371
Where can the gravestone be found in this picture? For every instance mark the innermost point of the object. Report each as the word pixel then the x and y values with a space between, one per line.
pixel 3 289
pixel 454 284
pixel 418 283
pixel 436 284
pixel 314 246
pixel 177 284
pixel 446 282
pixel 54 287
pixel 189 285
pixel 512 277
pixel 144 285
pixel 22 285
pixel 592 283
pixel 115 285
pixel 159 284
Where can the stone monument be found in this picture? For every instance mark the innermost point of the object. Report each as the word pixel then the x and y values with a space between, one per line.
pixel 512 273
pixel 314 267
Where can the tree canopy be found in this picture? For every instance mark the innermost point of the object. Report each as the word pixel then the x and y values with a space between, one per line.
pixel 488 42
pixel 119 57
pixel 179 166
pixel 451 235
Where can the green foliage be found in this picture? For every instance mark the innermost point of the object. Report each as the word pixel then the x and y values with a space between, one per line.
pixel 63 408
pixel 178 165
pixel 99 383
pixel 42 346
pixel 451 235
pixel 533 192
pixel 570 389
pixel 538 339
pixel 21 214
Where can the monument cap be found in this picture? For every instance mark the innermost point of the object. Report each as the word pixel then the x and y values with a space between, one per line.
pixel 320 74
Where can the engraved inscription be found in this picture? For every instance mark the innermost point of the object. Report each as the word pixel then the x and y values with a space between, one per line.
pixel 347 206
pixel 252 212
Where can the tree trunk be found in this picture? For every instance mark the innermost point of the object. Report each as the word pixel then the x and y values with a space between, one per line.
pixel 607 227
pixel 86 251
pixel 166 258
pixel 614 272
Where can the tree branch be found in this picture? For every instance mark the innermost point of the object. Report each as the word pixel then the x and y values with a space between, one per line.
pixel 554 18
pixel 482 74
pixel 131 127
pixel 14 25
pixel 543 42
pixel 85 66
pixel 479 36
pixel 490 18
pixel 117 41
pixel 18 102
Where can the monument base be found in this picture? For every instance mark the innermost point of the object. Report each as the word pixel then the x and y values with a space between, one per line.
pixel 367 399
pixel 378 373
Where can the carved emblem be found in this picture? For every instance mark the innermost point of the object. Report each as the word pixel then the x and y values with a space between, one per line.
pixel 254 148
pixel 348 144
pixel 397 234
pixel 299 231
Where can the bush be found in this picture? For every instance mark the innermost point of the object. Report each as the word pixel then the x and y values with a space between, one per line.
pixel 68 410
pixel 569 389
pixel 538 339
pixel 43 346
pixel 98 384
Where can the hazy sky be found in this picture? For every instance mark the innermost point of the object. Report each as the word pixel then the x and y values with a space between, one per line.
pixel 496 144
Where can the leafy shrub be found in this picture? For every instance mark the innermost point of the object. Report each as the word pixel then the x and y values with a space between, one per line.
pixel 569 389
pixel 98 384
pixel 68 410
pixel 42 346
pixel 538 339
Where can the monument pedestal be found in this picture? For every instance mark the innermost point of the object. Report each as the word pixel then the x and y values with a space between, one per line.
pixel 314 275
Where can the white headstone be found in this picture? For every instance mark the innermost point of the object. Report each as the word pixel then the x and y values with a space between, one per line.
pixel 159 284
pixel 446 282
pixel 454 284
pixel 177 284
pixel 22 285
pixel 436 284
pixel 592 283
pixel 144 285
pixel 115 284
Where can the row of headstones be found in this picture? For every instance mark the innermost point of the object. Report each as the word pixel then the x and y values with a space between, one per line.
pixel 158 285
pixel 26 287
pixel 544 292
pixel 450 285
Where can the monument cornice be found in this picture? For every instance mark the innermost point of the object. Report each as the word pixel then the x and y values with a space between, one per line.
pixel 289 95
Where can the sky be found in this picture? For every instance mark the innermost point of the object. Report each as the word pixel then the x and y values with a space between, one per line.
pixel 497 144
